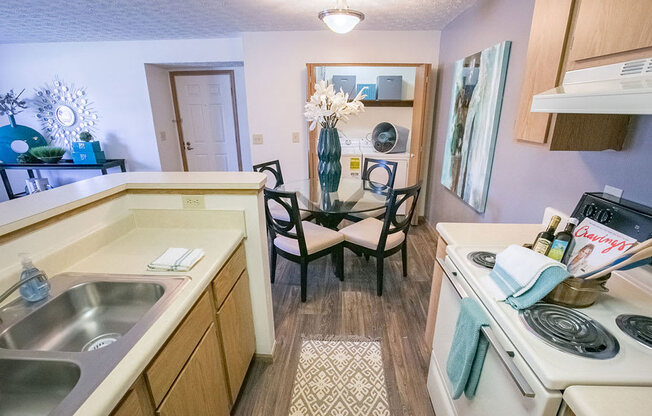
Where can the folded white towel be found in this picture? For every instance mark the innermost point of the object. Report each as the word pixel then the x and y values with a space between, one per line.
pixel 517 270
pixel 176 260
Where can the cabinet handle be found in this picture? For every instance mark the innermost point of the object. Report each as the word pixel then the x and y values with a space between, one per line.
pixel 504 355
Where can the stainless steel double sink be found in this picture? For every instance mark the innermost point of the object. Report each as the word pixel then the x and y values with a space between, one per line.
pixel 54 353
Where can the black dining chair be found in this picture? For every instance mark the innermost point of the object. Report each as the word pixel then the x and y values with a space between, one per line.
pixel 274 168
pixel 381 239
pixel 300 241
pixel 376 167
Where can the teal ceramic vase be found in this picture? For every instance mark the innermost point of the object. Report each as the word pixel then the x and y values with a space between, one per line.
pixel 13 132
pixel 329 151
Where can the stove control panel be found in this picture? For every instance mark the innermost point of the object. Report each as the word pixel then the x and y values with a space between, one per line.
pixel 622 215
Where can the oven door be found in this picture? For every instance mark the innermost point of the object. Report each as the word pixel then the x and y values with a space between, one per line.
pixel 507 385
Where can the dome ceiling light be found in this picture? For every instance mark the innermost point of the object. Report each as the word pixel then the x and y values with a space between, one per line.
pixel 342 19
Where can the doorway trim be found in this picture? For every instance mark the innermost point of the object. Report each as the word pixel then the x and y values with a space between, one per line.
pixel 178 121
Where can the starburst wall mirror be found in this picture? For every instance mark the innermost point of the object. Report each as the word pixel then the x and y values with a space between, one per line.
pixel 64 112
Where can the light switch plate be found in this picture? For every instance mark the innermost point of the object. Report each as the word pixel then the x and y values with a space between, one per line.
pixel 192 201
pixel 257 138
pixel 295 137
pixel 162 135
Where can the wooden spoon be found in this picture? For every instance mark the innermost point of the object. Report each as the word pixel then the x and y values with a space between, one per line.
pixel 640 255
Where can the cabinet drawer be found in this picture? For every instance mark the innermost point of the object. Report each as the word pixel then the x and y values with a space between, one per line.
pixel 229 274
pixel 170 360
pixel 200 389
pixel 236 325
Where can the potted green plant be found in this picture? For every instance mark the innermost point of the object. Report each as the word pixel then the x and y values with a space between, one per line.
pixel 86 144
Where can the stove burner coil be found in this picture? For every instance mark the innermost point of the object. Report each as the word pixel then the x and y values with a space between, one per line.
pixel 570 331
pixel 483 258
pixel 638 327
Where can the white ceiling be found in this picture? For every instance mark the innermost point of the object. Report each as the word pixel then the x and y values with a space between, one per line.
pixel 97 20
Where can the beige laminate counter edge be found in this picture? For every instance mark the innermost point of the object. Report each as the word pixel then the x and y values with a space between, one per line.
pixel 495 234
pixel 609 400
pixel 108 394
pixel 23 212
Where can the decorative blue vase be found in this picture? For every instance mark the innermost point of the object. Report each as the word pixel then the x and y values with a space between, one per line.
pixel 329 151
pixel 12 132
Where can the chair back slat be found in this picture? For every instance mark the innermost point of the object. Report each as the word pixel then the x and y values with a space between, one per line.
pixel 370 165
pixel 273 167
pixel 291 229
pixel 393 223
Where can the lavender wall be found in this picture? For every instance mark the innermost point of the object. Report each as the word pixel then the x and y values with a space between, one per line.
pixel 526 178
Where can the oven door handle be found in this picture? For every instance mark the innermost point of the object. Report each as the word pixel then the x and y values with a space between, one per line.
pixel 505 356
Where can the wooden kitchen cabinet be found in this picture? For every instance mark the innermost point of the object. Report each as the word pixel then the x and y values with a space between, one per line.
pixel 573 34
pixel 610 31
pixel 236 327
pixel 201 367
pixel 200 389
pixel 435 288
pixel 136 402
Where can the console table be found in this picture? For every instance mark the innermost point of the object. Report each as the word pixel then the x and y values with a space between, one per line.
pixel 64 164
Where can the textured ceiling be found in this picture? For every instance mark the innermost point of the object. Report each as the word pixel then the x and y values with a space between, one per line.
pixel 96 20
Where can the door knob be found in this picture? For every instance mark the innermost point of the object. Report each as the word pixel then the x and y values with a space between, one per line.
pixel 189 146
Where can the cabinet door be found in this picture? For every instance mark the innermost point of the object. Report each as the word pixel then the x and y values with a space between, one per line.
pixel 200 389
pixel 136 402
pixel 610 31
pixel 236 324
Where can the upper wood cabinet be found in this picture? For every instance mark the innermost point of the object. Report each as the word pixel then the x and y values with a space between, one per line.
pixel 610 31
pixel 574 34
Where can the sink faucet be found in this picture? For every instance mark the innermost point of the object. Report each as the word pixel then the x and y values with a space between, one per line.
pixel 40 277
pixel 38 286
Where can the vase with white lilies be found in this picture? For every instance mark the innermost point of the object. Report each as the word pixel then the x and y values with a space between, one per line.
pixel 326 108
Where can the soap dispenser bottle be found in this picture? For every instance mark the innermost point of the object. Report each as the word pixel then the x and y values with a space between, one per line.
pixel 36 285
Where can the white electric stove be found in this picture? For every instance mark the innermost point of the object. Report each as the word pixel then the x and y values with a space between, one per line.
pixel 525 373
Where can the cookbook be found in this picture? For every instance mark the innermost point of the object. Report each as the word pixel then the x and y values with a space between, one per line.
pixel 594 246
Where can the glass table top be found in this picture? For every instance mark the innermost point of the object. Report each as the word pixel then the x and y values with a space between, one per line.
pixel 352 195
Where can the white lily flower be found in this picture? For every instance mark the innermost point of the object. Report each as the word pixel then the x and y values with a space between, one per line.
pixel 326 107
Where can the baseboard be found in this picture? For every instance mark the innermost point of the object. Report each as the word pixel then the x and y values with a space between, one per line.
pixel 267 357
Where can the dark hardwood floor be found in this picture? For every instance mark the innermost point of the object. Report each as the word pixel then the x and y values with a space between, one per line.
pixel 351 308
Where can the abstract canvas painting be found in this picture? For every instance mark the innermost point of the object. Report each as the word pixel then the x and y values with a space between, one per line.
pixel 478 84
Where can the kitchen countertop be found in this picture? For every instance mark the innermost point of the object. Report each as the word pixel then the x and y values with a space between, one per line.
pixel 130 254
pixel 609 400
pixel 28 210
pixel 464 233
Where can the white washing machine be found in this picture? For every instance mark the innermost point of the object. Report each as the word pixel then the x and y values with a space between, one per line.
pixel 403 160
pixel 351 159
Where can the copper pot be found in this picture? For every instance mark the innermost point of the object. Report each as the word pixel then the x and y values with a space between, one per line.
pixel 577 293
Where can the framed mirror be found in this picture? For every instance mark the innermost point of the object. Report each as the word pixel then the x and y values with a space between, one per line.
pixel 64 112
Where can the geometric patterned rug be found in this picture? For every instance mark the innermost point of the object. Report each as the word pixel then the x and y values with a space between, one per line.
pixel 340 376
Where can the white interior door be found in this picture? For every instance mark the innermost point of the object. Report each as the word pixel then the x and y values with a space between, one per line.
pixel 207 122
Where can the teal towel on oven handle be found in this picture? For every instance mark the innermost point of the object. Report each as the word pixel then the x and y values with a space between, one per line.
pixel 467 354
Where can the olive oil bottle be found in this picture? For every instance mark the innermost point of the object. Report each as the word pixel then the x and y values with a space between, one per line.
pixel 561 244
pixel 545 238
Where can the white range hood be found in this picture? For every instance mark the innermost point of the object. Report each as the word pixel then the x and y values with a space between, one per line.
pixel 623 88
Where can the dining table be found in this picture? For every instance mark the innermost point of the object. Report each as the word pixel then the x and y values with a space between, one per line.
pixel 353 195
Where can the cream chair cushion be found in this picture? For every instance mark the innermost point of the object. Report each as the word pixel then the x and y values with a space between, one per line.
pixel 280 213
pixel 317 238
pixel 366 233
pixel 369 214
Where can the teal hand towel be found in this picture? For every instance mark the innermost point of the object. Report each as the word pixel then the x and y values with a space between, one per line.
pixel 547 281
pixel 468 351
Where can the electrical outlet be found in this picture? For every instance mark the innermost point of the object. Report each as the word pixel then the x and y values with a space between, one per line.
pixel 295 137
pixel 257 138
pixel 192 201
pixel 162 135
